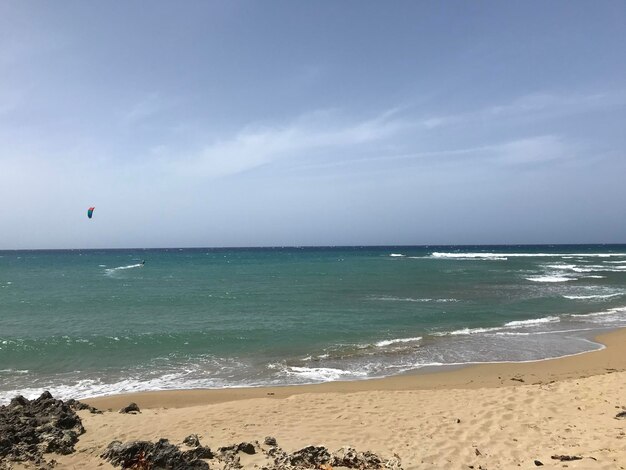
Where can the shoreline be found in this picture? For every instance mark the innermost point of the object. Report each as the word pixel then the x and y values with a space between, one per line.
pixel 610 358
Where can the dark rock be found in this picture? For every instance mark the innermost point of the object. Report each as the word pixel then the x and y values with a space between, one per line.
pixel 192 440
pixel 319 457
pixel 19 401
pixel 30 428
pixel 312 456
pixel 79 406
pixel 200 452
pixel 350 458
pixel 620 415
pixel 131 408
pixel 246 448
pixel 538 463
pixel 270 441
pixel 144 454
pixel 163 455
pixel 126 454
pixel 518 379
pixel 566 458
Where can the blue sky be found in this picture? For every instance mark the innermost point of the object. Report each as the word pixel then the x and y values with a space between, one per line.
pixel 311 123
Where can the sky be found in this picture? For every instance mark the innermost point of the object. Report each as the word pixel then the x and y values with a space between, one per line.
pixel 282 123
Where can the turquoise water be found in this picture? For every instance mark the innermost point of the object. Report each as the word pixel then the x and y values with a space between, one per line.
pixel 93 322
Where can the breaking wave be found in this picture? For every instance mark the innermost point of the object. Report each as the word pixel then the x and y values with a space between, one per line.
pixel 389 342
pixel 479 255
pixel 535 321
pixel 549 278
pixel 594 296
pixel 411 299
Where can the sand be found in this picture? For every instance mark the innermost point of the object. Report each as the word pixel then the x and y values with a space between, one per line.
pixel 492 416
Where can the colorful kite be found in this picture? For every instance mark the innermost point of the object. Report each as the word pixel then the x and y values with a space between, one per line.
pixel 90 212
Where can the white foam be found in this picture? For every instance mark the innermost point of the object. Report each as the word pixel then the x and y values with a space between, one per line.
pixel 589 268
pixel 561 266
pixel 122 268
pixel 96 388
pixel 130 266
pixel 388 342
pixel 533 333
pixel 549 278
pixel 325 374
pixel 534 321
pixel 611 311
pixel 522 255
pixel 594 296
pixel 471 256
pixel 467 331
pixel 397 255
pixel 510 325
pixel 15 371
pixel 411 299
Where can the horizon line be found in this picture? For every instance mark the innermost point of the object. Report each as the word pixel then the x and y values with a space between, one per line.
pixel 279 247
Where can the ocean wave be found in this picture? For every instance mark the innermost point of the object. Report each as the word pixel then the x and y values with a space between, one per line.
pixel 323 374
pixel 534 321
pixel 14 371
pixel 467 331
pixel 586 268
pixel 515 324
pixel 471 256
pixel 483 255
pixel 122 268
pixel 389 342
pixel 592 296
pixel 549 332
pixel 89 388
pixel 560 266
pixel 397 255
pixel 610 311
pixel 549 278
pixel 410 299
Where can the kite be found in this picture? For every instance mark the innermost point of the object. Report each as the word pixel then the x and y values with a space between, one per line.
pixel 90 212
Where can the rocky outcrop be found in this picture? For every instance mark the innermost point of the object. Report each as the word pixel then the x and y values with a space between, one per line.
pixel 163 455
pixel 30 428
pixel 192 440
pixel 79 406
pixel 132 408
pixel 148 455
pixel 314 457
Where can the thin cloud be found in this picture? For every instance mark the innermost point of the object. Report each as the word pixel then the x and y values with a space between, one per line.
pixel 253 147
pixel 533 150
pixel 537 105
pixel 144 109
pixel 525 151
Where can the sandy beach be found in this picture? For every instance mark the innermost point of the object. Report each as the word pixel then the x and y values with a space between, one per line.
pixel 490 416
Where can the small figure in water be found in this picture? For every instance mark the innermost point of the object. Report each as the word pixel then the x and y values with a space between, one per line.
pixel 143 263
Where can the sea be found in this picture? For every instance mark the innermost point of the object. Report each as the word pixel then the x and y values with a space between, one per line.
pixel 85 323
